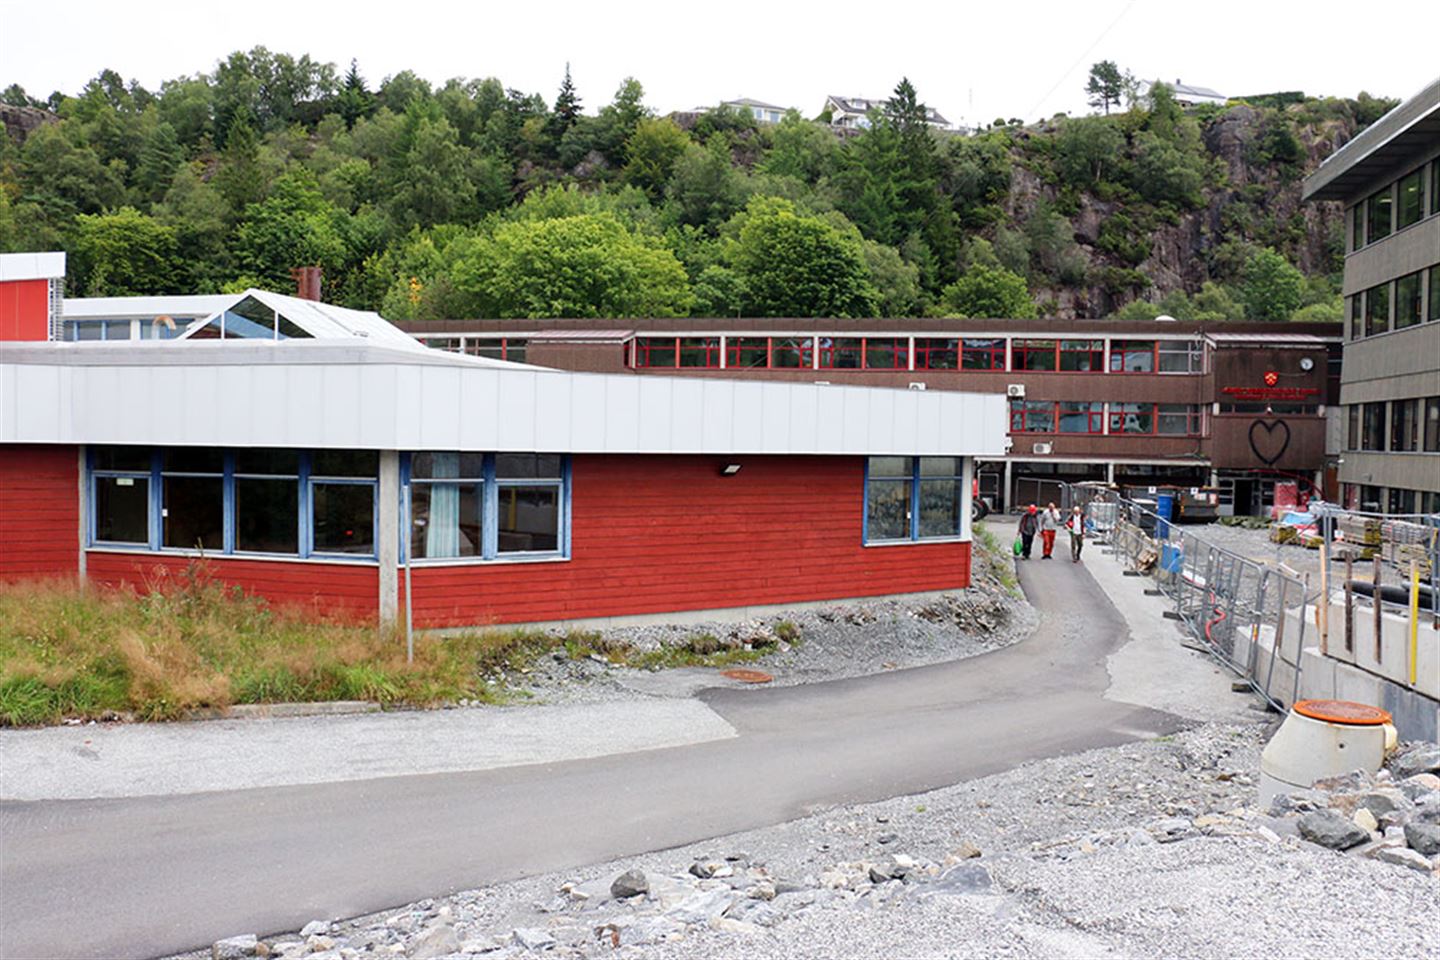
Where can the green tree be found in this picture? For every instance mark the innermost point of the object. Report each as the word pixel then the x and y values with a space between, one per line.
pixel 582 266
pixel 897 281
pixel 991 293
pixel 704 190
pixel 566 112
pixel 1105 86
pixel 1273 288
pixel 651 152
pixel 800 266
pixel 160 156
pixel 354 100
pixel 800 148
pixel 199 215
pixel 294 226
pixel 123 254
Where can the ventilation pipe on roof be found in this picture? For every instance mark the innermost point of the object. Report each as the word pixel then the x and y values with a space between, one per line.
pixel 307 282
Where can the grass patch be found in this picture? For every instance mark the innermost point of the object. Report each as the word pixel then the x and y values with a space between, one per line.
pixel 193 642
pixel 997 558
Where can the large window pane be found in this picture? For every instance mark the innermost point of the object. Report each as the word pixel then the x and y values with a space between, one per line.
pixel 1407 301
pixel 1132 356
pixel 1081 417
pixel 446 520
pixel 1377 310
pixel 1181 357
pixel 121 458
pixel 344 463
pixel 344 516
pixel 527 466
pixel 529 519
pixel 1411 207
pixel 267 516
pixel 1357 226
pixel 934 353
pixel 1405 425
pixel 887 353
pixel 748 352
pixel 194 513
pixel 939 508
pixel 1082 356
pixel 1377 214
pixel 284 463
pixel 1178 419
pixel 1432 425
pixel 699 351
pixel 193 460
pixel 1132 418
pixel 939 466
pixel 887 508
pixel 1433 312
pixel 1372 429
pixel 447 466
pixel 791 351
pixel 1033 355
pixel 840 353
pixel 122 510
pixel 891 466
pixel 249 320
pixel 655 351
pixel 1357 316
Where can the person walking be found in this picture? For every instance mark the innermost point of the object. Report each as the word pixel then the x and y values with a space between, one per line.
pixel 1049 526
pixel 1075 523
pixel 1029 524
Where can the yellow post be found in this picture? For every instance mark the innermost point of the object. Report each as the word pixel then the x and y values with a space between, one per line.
pixel 1414 618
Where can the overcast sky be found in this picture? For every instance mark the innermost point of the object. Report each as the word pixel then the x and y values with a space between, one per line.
pixel 973 62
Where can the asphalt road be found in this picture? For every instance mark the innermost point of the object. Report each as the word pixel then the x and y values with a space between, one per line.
pixel 156 875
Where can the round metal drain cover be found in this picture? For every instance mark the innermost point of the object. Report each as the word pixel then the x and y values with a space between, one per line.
pixel 1342 711
pixel 747 676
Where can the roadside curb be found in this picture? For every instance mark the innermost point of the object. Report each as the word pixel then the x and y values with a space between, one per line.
pixel 277 711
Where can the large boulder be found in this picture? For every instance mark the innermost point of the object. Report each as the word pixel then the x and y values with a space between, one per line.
pixel 1331 829
pixel 631 883
pixel 1423 837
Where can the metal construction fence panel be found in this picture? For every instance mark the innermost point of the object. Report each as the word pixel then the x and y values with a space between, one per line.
pixel 1232 606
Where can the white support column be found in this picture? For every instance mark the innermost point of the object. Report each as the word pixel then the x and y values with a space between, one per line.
pixel 911 353
pixel 1009 490
pixel 388 548
pixel 967 483
pixel 1110 472
pixel 84 531
pixel 724 345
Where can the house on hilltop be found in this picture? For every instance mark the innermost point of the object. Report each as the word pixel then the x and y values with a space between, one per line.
pixel 852 113
pixel 762 112
pixel 1187 94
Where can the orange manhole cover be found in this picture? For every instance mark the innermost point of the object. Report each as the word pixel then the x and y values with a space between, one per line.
pixel 747 676
pixel 1342 711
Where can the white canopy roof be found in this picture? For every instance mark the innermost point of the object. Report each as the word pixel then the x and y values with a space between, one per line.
pixel 146 308
pixel 31 266
pixel 322 321
pixel 364 395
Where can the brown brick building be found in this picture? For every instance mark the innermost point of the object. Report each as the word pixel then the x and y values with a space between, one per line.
pixel 1235 406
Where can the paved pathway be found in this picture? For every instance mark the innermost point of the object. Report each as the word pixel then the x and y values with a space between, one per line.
pixel 152 875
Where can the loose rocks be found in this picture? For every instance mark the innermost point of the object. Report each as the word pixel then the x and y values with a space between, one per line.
pixel 1330 829
pixel 233 948
pixel 631 883
pixel 1424 838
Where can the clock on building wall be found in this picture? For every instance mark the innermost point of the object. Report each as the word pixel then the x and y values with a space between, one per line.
pixel 1307 364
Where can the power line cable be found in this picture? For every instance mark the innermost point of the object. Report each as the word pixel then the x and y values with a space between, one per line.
pixel 1035 110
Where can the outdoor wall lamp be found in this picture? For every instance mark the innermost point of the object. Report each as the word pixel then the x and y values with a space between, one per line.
pixel 730 469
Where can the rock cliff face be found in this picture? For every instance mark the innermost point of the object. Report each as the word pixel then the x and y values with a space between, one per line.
pixel 1250 198
pixel 20 121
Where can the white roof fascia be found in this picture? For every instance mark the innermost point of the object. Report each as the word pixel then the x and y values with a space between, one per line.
pixel 145 308
pixel 31 266
pixel 319 394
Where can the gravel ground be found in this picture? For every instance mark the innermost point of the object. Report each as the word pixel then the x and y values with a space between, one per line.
pixel 836 641
pixel 1256 545
pixel 1154 848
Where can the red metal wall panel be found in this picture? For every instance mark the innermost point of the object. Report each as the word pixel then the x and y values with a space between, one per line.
pixel 344 589
pixel 653 534
pixel 25 310
pixel 39 512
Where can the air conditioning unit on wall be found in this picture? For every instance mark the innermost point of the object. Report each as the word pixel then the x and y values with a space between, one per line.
pixel 1015 390
pixel 1041 449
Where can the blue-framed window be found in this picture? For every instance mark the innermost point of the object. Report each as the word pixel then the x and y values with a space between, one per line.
pixel 913 498
pixel 249 502
pixel 487 506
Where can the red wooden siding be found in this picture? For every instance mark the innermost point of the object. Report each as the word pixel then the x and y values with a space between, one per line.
pixel 344 589
pixel 652 534
pixel 39 512
pixel 25 310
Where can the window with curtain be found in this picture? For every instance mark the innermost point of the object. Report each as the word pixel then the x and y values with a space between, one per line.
pixel 446 497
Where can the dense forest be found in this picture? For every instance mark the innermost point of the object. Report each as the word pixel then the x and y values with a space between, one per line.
pixel 473 199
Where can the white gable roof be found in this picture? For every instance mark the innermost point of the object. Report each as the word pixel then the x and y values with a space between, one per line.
pixel 323 321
